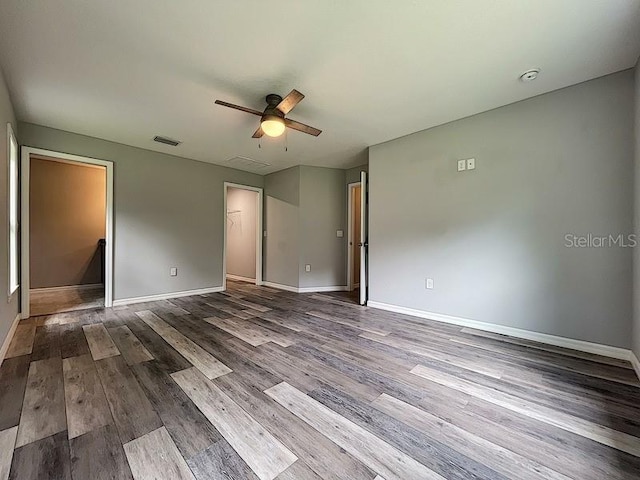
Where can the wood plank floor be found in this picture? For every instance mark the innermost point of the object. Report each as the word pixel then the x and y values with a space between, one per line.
pixel 257 383
pixel 46 301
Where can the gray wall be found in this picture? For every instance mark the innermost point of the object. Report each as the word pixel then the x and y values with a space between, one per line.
pixel 305 206
pixel 67 219
pixel 8 307
pixel 493 239
pixel 323 209
pixel 168 212
pixel 282 223
pixel 636 257
pixel 352 175
pixel 241 232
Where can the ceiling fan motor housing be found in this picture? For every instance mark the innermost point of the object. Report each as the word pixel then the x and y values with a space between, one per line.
pixel 273 100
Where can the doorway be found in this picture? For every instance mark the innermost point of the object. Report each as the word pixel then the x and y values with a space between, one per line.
pixel 66 232
pixel 242 234
pixel 355 235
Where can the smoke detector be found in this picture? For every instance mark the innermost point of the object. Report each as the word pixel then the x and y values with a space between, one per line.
pixel 530 75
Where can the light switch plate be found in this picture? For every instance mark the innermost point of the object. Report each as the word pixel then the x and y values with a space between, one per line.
pixel 462 165
pixel 428 283
pixel 173 271
pixel 307 268
pixel 340 233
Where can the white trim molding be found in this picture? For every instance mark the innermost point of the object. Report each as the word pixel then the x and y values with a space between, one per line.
pixel 166 296
pixel 333 288
pixel 7 340
pixel 66 288
pixel 570 343
pixel 238 278
pixel 289 288
pixel 636 364
pixel 280 286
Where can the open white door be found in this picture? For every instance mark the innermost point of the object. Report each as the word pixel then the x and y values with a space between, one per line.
pixel 364 239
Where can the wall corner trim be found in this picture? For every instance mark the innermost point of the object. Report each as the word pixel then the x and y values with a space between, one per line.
pixel 289 288
pixel 9 337
pixel 636 364
pixel 569 343
pixel 166 296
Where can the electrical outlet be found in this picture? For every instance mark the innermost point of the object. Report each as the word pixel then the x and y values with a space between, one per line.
pixel 471 164
pixel 264 233
pixel 173 271
pixel 340 233
pixel 428 283
pixel 307 268
pixel 462 165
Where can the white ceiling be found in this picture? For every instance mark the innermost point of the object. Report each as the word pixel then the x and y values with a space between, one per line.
pixel 371 70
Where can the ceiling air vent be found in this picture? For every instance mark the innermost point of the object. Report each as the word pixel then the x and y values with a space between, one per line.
pixel 166 141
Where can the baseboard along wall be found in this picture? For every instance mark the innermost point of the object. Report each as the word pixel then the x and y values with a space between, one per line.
pixel 166 296
pixel 9 337
pixel 289 288
pixel 570 343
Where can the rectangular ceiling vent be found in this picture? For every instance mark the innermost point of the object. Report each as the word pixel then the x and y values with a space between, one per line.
pixel 166 141
pixel 249 164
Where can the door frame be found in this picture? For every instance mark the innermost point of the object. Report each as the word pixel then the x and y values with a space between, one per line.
pixel 259 215
pixel 25 253
pixel 350 234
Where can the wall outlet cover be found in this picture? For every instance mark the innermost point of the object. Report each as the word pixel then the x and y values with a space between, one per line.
pixel 340 233
pixel 428 283
pixel 307 268
pixel 471 164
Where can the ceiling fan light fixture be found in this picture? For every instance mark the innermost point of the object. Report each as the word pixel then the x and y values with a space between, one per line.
pixel 272 125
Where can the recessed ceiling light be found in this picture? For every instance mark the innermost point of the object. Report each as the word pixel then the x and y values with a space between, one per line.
pixel 530 75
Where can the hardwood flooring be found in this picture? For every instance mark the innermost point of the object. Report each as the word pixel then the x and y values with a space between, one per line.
pixel 261 384
pixel 46 301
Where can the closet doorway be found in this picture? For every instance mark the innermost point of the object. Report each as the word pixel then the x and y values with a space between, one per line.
pixel 243 234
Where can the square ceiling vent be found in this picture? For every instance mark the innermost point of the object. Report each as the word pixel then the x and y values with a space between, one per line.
pixel 248 164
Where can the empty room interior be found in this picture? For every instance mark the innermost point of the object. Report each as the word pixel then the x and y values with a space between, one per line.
pixel 360 240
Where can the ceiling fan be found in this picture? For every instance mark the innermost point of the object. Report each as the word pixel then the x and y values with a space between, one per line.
pixel 273 121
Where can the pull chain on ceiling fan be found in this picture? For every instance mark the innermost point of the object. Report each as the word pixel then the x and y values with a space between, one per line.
pixel 272 120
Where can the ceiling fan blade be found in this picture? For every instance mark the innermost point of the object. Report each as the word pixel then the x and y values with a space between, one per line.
pixel 258 133
pixel 238 107
pixel 290 101
pixel 301 127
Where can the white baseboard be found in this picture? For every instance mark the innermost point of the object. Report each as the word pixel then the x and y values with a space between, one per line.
pixel 165 296
pixel 581 345
pixel 333 288
pixel 289 288
pixel 279 286
pixel 241 279
pixel 9 337
pixel 66 288
pixel 636 364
